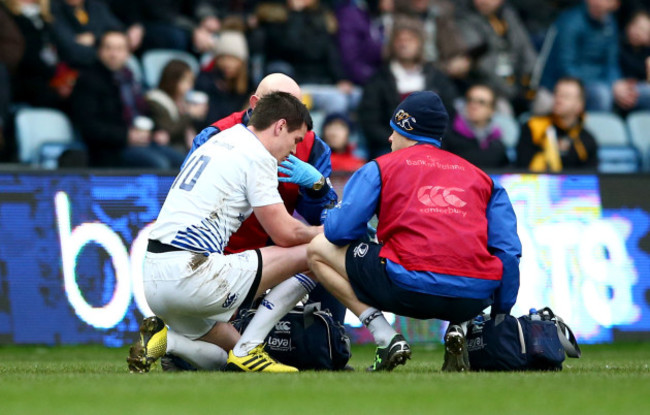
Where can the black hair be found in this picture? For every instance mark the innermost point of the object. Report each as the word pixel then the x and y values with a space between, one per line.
pixel 577 81
pixel 495 97
pixel 110 32
pixel 280 105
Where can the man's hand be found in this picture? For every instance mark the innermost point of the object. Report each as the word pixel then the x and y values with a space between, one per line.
pixel 625 93
pixel 135 33
pixel 161 137
pixel 86 39
pixel 138 138
pixel 458 66
pixel 211 24
pixel 345 87
pixel 299 172
pixel 203 40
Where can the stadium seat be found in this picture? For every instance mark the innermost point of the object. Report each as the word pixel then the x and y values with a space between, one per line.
pixel 42 134
pixel 620 159
pixel 318 118
pixel 607 128
pixel 615 154
pixel 154 61
pixel 510 130
pixel 136 69
pixel 638 125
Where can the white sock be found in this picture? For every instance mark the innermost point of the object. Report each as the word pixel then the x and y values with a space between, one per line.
pixel 282 298
pixel 463 327
pixel 381 330
pixel 203 355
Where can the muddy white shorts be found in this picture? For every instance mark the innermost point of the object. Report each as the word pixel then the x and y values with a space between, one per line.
pixel 192 292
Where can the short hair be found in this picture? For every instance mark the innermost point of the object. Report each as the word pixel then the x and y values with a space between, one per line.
pixel 408 24
pixel 495 97
pixel 280 105
pixel 110 32
pixel 578 82
pixel 172 75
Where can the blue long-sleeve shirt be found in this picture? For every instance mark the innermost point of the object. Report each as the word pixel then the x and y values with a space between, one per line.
pixel 347 223
pixel 583 48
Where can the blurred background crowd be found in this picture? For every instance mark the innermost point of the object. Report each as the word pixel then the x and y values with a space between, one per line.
pixel 539 85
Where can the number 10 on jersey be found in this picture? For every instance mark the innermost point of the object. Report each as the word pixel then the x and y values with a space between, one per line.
pixel 187 178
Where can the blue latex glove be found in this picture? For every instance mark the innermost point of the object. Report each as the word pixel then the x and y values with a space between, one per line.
pixel 299 172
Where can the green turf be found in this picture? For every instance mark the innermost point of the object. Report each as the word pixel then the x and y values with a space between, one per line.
pixel 609 379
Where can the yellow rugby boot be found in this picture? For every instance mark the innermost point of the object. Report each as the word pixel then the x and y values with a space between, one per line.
pixel 257 360
pixel 151 347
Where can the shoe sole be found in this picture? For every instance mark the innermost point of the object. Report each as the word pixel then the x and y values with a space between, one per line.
pixel 455 347
pixel 232 367
pixel 138 361
pixel 398 357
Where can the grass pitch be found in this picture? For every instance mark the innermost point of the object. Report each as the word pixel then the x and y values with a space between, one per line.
pixel 608 379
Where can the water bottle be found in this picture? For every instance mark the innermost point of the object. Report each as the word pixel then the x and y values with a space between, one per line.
pixel 533 314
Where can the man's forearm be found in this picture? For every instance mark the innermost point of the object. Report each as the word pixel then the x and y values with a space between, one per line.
pixel 298 235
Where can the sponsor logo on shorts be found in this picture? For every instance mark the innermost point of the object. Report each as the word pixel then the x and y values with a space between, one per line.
pixel 230 300
pixel 283 326
pixel 266 303
pixel 360 250
pixel 279 344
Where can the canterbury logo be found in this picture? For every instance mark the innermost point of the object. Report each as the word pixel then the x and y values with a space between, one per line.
pixel 404 120
pixel 440 196
pixel 283 326
pixel 230 299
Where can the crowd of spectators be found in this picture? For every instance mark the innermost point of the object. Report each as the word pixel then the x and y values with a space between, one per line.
pixel 354 59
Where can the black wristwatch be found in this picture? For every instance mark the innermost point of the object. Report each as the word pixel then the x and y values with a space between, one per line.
pixel 319 184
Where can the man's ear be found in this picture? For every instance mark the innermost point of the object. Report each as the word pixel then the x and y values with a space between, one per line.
pixel 279 125
pixel 252 101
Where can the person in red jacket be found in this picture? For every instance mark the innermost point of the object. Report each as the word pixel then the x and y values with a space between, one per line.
pixel 336 133
pixel 448 244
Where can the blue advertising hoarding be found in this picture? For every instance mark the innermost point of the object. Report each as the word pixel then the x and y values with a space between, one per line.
pixel 73 244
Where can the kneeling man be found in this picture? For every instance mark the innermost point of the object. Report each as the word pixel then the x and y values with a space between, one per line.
pixel 188 281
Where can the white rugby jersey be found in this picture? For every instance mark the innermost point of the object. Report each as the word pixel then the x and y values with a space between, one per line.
pixel 216 191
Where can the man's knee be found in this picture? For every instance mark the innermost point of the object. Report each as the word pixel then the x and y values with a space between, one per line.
pixel 322 252
pixel 316 248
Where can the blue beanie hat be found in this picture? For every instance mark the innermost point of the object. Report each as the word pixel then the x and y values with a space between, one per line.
pixel 421 117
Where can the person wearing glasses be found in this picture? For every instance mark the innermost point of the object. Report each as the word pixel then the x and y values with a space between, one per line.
pixel 473 135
